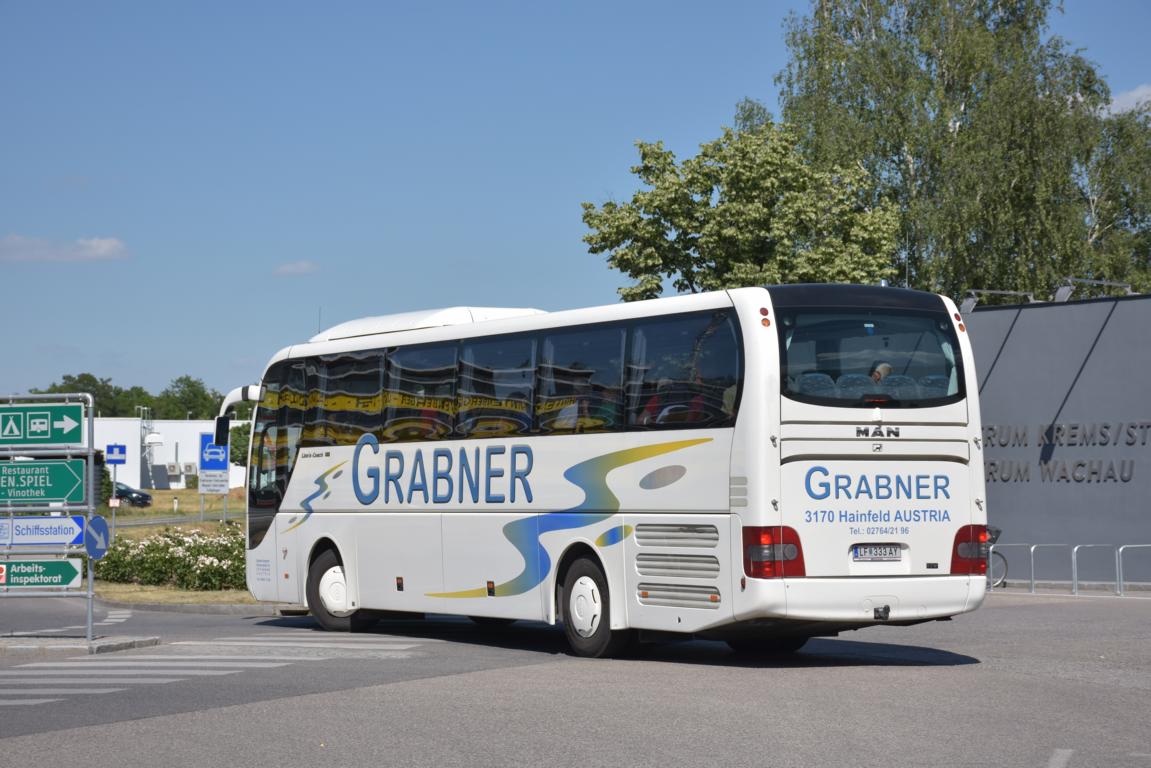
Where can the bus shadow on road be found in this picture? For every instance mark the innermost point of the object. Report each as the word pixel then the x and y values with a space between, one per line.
pixel 536 637
pixel 818 652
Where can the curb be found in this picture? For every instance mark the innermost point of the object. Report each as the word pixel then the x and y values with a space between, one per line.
pixel 229 609
pixel 45 646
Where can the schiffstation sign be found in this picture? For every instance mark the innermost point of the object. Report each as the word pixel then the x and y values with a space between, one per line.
pixel 42 482
pixel 50 424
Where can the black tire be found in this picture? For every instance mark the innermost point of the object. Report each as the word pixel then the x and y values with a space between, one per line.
pixel 998 574
pixel 587 613
pixel 766 646
pixel 492 622
pixel 338 621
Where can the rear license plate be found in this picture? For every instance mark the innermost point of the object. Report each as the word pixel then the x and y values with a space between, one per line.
pixel 876 552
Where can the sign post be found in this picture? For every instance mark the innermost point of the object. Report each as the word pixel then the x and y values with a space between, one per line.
pixel 115 454
pixel 47 469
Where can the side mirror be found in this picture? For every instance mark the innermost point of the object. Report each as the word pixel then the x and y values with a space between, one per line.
pixel 223 427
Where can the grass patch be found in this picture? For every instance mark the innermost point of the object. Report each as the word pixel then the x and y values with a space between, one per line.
pixel 145 594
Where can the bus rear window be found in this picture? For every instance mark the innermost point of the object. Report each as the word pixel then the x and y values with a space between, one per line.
pixel 869 358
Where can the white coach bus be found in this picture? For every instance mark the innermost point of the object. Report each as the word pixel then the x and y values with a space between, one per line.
pixel 760 465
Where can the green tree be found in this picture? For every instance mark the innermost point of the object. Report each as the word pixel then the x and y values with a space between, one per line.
pixel 110 399
pixel 187 397
pixel 747 210
pixel 238 439
pixel 992 139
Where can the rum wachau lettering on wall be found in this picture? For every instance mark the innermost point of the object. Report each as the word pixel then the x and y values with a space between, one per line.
pixel 1091 452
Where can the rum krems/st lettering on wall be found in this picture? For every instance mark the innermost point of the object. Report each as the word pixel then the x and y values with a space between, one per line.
pixel 1090 453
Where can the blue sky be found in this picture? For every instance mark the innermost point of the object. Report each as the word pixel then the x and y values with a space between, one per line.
pixel 185 188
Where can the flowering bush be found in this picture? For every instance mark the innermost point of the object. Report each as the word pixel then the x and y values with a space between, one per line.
pixel 185 559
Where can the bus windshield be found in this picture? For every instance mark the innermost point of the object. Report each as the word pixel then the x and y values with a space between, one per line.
pixel 869 358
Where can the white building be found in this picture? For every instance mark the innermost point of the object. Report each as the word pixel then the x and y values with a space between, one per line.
pixel 160 454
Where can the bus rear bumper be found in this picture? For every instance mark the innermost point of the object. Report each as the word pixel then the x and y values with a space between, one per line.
pixel 866 600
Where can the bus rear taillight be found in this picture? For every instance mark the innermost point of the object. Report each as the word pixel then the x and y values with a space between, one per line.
pixel 969 555
pixel 772 552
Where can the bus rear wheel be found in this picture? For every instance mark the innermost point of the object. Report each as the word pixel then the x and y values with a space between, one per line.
pixel 327 590
pixel 587 613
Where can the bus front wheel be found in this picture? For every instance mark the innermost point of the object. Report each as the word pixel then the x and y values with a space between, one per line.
pixel 587 613
pixel 328 595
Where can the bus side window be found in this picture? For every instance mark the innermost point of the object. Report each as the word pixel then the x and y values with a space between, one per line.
pixel 581 380
pixel 420 393
pixel 496 386
pixel 684 372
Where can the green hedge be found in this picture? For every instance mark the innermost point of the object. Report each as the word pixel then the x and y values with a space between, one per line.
pixel 178 558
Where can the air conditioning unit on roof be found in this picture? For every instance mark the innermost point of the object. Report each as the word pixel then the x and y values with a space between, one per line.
pixel 173 469
pixel 190 469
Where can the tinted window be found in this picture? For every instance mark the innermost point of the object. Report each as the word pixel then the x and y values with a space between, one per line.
pixel 581 380
pixel 348 401
pixel 684 371
pixel 865 358
pixel 496 387
pixel 419 392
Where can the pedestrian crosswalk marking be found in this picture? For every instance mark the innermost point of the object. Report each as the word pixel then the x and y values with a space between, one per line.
pixel 76 670
pixel 174 662
pixel 43 682
pixel 56 691
pixel 90 680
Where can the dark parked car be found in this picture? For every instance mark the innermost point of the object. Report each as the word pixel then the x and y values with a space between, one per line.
pixel 132 497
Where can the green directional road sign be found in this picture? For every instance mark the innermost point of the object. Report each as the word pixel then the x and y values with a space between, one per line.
pixel 41 424
pixel 42 482
pixel 40 573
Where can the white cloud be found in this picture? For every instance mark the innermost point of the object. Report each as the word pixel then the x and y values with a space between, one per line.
pixel 34 249
pixel 1128 100
pixel 301 267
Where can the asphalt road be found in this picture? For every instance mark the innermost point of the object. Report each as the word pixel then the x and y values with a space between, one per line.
pixel 1052 682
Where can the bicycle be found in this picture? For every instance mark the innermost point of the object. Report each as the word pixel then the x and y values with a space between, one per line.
pixel 996 561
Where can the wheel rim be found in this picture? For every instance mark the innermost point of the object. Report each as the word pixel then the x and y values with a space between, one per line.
pixel 584 606
pixel 334 591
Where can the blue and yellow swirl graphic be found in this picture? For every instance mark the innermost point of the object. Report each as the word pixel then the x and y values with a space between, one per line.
pixel 599 504
pixel 322 491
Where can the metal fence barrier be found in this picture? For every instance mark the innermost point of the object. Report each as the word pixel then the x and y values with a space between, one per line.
pixel 1119 564
pixel 1118 550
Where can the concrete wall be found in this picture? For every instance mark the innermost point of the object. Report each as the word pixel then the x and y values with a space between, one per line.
pixel 1065 392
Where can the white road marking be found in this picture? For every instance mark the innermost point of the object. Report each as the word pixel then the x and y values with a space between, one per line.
pixel 284 644
pixel 327 637
pixel 25 702
pixel 75 670
pixel 174 662
pixel 1061 758
pixel 90 680
pixel 56 691
pixel 221 656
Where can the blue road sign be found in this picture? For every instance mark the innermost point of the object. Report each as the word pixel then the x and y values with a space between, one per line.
pixel 115 453
pixel 212 457
pixel 42 531
pixel 98 539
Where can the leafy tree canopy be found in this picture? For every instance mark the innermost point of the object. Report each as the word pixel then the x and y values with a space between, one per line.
pixel 747 210
pixel 185 397
pixel 995 141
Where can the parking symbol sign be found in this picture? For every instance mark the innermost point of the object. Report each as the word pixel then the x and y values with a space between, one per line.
pixel 212 457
